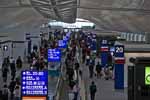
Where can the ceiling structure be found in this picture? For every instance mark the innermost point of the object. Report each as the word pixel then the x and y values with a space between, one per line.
pixel 117 15
pixel 20 16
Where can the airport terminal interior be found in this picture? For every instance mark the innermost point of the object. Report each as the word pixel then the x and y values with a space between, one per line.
pixel 74 49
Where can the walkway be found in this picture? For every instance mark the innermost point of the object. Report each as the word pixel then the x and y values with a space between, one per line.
pixel 105 88
pixel 18 73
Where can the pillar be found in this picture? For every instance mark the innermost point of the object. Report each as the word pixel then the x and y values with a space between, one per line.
pixel 128 36
pixel 132 37
pixel 147 37
pixel 139 37
pixel 135 37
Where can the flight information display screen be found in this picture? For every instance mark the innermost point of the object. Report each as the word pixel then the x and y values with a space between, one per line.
pixel 34 83
pixel 54 55
pixel 62 44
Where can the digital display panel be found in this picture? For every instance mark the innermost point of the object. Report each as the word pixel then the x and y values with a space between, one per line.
pixel 34 83
pixel 62 44
pixel 66 38
pixel 147 75
pixel 54 55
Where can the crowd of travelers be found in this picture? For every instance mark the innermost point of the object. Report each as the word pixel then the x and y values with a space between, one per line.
pixel 78 50
pixel 11 89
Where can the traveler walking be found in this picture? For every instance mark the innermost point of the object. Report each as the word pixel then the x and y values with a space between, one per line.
pixel 93 90
pixel 17 92
pixel 19 62
pixel 5 92
pixel 76 90
pixel 5 70
pixel 11 89
pixel 98 70
pixel 13 70
pixel 91 70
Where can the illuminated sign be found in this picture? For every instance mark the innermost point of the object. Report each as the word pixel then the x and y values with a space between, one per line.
pixel 119 51
pixel 112 49
pixel 5 48
pixel 68 34
pixel 104 42
pixel 66 38
pixel 147 75
pixel 34 83
pixel 34 98
pixel 62 44
pixel 54 55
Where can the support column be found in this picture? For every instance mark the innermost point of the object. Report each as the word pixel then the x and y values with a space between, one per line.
pixel 147 37
pixel 135 37
pixel 139 37
pixel 124 35
pixel 144 38
pixel 128 36
pixel 132 37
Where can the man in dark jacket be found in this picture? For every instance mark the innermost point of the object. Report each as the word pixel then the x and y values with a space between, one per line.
pixel 98 69
pixel 13 70
pixel 93 90
pixel 91 70
pixel 19 62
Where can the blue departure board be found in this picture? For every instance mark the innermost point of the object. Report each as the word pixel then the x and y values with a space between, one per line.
pixel 34 83
pixel 66 38
pixel 62 44
pixel 68 34
pixel 54 55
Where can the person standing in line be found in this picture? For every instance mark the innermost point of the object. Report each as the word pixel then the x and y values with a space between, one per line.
pixel 93 90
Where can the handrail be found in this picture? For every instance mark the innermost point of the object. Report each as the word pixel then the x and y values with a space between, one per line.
pixel 58 86
pixel 56 96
